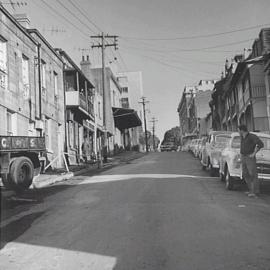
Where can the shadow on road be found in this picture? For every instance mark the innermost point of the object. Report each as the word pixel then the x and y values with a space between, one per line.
pixel 110 220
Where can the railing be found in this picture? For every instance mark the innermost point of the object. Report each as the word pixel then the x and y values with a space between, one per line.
pixel 258 91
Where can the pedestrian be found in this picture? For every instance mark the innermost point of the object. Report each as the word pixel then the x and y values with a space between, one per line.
pixel 250 145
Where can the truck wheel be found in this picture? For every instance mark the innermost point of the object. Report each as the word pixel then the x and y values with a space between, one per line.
pixel 228 180
pixel 21 173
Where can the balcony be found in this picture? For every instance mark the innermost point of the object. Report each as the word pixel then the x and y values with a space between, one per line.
pixel 75 99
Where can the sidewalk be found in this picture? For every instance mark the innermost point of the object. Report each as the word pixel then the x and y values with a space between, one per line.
pixel 50 178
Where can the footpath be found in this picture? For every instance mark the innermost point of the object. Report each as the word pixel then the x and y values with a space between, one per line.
pixel 52 177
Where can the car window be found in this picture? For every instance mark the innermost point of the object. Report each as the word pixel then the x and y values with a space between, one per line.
pixel 266 142
pixel 222 140
pixel 236 142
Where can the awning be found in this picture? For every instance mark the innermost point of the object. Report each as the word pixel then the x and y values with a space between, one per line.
pixel 126 118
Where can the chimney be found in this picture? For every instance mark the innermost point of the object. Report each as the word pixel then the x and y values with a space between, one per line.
pixel 86 67
pixel 247 53
pixel 23 20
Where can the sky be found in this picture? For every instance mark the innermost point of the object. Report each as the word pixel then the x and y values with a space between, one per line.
pixel 163 39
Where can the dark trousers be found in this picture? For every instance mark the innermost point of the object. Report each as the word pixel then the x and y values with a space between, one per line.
pixel 249 171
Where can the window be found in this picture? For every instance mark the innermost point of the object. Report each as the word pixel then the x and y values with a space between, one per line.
pixel 236 142
pixel 43 75
pixel 125 103
pixel 124 89
pixel 11 119
pixel 99 111
pixel 3 63
pixel 9 124
pixel 55 83
pixel 25 76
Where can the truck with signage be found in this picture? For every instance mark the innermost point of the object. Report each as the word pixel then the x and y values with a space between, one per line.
pixel 19 160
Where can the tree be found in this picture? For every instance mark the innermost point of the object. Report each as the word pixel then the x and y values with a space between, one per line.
pixel 150 140
pixel 172 135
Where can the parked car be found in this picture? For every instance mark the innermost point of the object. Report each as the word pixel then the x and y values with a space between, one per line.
pixel 201 147
pixel 197 147
pixel 216 142
pixel 193 146
pixel 230 161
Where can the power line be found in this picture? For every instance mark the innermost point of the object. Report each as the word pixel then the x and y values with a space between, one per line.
pixel 85 16
pixel 75 16
pixel 63 17
pixel 193 50
pixel 172 66
pixel 201 36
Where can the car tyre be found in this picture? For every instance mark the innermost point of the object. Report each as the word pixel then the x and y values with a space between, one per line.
pixel 229 183
pixel 211 169
pixel 221 176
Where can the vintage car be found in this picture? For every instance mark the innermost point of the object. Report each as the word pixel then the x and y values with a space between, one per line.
pixel 230 160
pixel 216 142
pixel 201 147
pixel 198 147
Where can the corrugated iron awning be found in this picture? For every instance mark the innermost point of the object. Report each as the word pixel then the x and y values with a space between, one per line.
pixel 126 118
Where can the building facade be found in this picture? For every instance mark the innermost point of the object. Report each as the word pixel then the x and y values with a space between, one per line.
pixel 131 94
pixel 31 99
pixel 80 116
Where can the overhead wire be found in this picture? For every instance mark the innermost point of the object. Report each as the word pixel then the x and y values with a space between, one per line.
pixel 172 66
pixel 191 50
pixel 200 36
pixel 75 16
pixel 63 17
pixel 84 15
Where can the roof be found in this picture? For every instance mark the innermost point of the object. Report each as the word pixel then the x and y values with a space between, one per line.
pixel 73 64
pixel 35 31
pixel 18 25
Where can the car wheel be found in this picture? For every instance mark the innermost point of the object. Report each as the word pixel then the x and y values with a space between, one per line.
pixel 21 173
pixel 228 180
pixel 221 176
pixel 211 169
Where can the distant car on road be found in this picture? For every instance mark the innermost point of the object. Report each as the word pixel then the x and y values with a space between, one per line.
pixel 216 142
pixel 230 160
pixel 168 146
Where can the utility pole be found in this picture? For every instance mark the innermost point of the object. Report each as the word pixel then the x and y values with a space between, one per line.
pixel 103 45
pixel 143 102
pixel 154 120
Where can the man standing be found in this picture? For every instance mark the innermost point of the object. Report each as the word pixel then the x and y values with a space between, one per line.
pixel 250 145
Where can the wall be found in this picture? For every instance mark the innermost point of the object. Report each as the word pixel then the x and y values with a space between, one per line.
pixel 16 97
pixel 52 107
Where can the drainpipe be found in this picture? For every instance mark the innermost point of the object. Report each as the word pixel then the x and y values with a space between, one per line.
pixel 39 81
pixel 65 115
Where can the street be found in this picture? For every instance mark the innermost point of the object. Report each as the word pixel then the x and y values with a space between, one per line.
pixel 160 211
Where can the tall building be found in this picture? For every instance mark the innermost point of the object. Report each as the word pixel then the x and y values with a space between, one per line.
pixel 132 91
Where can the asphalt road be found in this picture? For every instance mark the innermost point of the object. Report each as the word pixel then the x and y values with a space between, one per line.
pixel 158 212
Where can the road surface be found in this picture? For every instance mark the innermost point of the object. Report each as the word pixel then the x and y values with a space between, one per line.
pixel 157 212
